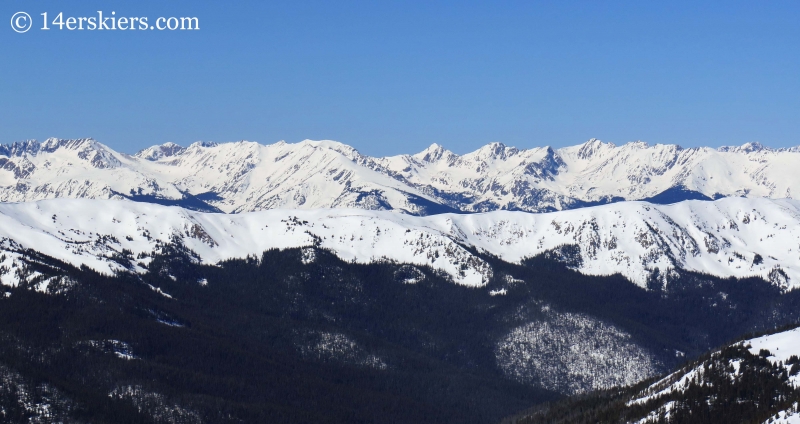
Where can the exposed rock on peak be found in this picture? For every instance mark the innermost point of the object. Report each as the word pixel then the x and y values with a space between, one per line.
pixel 651 245
pixel 433 153
pixel 751 147
pixel 592 147
pixel 162 151
pixel 248 176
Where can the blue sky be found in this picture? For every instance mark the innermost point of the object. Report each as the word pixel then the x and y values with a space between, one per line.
pixel 394 77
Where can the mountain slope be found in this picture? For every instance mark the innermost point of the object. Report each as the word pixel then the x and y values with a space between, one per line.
pixel 648 244
pixel 277 338
pixel 752 381
pixel 198 319
pixel 247 176
pixel 301 335
pixel 773 356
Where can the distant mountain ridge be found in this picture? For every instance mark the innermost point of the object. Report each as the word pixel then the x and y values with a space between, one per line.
pixel 247 176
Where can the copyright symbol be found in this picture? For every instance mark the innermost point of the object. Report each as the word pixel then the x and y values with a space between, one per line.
pixel 21 22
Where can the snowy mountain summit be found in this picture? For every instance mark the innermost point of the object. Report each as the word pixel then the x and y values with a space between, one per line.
pixel 247 176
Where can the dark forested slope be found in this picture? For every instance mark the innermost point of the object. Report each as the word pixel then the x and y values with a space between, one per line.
pixel 301 336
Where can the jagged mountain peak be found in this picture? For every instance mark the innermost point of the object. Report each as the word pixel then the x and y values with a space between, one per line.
pixel 342 148
pixel 592 147
pixel 203 144
pixel 98 155
pixel 33 147
pixel 248 176
pixel 638 144
pixel 19 148
pixel 434 153
pixel 494 151
pixel 53 143
pixel 750 147
pixel 157 152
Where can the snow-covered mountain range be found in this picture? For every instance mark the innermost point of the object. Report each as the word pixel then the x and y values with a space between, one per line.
pixel 645 212
pixel 247 176
pixel 644 242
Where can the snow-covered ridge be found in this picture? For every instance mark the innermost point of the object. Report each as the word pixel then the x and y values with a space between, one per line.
pixel 778 349
pixel 247 176
pixel 729 237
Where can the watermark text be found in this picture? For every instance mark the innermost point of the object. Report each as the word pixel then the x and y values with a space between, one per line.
pixel 102 21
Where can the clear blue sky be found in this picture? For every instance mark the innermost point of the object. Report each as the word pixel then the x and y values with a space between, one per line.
pixel 394 77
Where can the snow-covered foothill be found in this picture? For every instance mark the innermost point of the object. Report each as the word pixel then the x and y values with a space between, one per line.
pixel 777 348
pixel 730 237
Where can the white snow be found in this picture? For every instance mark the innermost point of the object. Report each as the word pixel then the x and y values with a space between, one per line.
pixel 327 346
pixel 119 348
pixel 781 346
pixel 672 383
pixel 573 353
pixel 721 238
pixel 159 291
pixel 791 416
pixel 248 176
pixel 653 416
